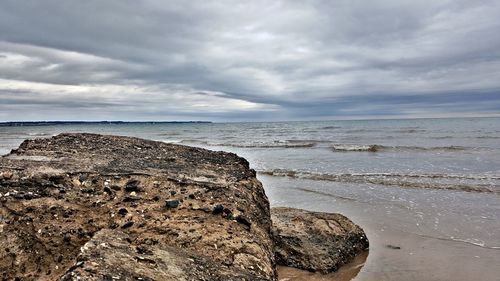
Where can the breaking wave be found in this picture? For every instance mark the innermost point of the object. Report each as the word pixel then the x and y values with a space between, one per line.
pixel 40 134
pixel 275 144
pixel 468 183
pixel 377 148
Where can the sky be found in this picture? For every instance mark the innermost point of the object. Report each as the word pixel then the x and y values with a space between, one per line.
pixel 248 60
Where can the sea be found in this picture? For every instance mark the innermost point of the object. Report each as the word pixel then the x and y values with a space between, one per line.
pixel 426 191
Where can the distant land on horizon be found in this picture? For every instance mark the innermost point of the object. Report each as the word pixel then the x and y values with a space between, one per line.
pixel 49 123
pixel 62 122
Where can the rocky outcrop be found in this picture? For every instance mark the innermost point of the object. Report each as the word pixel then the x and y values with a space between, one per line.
pixel 315 241
pixel 93 206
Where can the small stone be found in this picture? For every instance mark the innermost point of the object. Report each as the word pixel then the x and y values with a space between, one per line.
pixel 243 220
pixel 67 238
pixel 108 190
pixel 217 209
pixel 130 199
pixel 28 196
pixel 19 195
pixel 172 204
pixel 132 185
pixel 83 177
pixel 122 211
pixel 87 190
pixel 127 224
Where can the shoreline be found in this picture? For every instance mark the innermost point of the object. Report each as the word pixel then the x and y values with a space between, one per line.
pixel 397 250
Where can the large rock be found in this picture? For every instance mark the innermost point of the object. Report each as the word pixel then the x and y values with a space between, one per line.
pixel 92 206
pixel 315 241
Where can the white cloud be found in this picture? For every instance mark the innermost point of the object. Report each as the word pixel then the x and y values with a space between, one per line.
pixel 288 57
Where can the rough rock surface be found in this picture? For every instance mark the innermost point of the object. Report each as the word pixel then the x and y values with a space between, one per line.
pixel 95 207
pixel 315 241
pixel 111 255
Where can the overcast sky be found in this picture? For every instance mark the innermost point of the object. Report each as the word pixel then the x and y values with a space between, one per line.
pixel 248 60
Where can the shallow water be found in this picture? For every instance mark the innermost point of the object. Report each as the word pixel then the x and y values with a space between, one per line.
pixel 428 186
pixel 345 273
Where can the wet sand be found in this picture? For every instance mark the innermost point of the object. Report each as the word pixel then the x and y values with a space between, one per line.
pixel 404 244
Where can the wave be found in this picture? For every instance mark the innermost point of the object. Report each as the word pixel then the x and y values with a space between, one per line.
pixel 377 148
pixel 468 183
pixel 360 130
pixel 442 137
pixel 40 134
pixel 410 131
pixel 169 134
pixel 330 127
pixel 355 147
pixel 488 137
pixel 276 144
pixel 473 242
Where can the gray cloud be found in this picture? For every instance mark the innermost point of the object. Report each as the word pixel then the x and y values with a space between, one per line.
pixel 229 60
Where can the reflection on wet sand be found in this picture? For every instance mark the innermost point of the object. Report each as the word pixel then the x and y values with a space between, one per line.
pixel 345 273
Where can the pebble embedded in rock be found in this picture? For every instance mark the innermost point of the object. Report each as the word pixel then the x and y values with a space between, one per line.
pixel 227 214
pixel 82 177
pixel 108 190
pixel 130 199
pixel 122 211
pixel 127 224
pixel 243 220
pixel 132 185
pixel 171 204
pixel 67 238
pixel 218 209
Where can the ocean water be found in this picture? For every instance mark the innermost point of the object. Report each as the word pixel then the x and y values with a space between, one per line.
pixel 428 186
